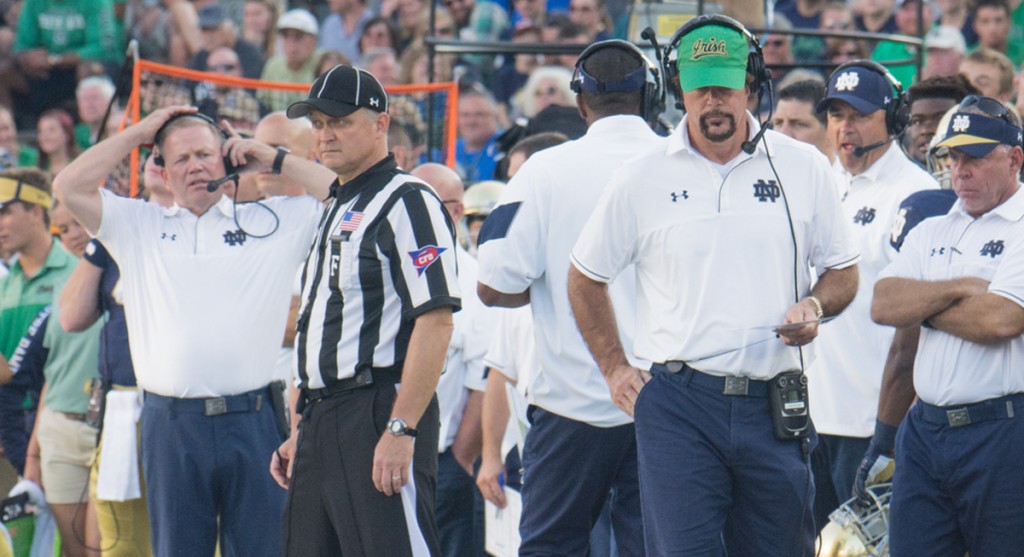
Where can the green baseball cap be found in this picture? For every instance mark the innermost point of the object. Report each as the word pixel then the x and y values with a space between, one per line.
pixel 712 56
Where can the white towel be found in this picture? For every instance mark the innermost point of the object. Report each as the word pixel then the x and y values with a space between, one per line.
pixel 119 457
pixel 46 524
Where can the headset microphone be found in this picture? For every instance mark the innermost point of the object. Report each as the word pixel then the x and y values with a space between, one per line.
pixel 751 144
pixel 861 151
pixel 213 185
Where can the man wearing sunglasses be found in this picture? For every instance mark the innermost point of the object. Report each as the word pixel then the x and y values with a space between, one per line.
pixel 874 177
pixel 959 279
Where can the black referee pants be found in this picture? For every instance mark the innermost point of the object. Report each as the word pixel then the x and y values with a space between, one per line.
pixel 333 507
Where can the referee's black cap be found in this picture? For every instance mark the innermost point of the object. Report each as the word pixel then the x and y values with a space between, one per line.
pixel 340 92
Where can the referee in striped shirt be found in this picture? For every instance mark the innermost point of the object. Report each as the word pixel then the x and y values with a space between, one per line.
pixel 378 291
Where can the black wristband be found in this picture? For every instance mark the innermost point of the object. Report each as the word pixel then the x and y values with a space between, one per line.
pixel 279 160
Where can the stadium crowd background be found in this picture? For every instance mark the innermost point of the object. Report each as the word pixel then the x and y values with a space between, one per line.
pixel 59 63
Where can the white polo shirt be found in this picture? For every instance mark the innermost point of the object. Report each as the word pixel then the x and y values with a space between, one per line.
pixel 845 379
pixel 714 256
pixel 205 304
pixel 949 370
pixel 464 367
pixel 513 353
pixel 526 244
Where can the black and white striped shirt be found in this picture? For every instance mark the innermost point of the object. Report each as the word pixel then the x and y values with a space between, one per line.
pixel 384 254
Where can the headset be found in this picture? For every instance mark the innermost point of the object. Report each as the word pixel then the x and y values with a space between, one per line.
pixel 755 57
pixel 230 170
pixel 158 139
pixel 652 102
pixel 897 112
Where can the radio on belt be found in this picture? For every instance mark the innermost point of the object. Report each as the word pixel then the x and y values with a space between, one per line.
pixel 788 396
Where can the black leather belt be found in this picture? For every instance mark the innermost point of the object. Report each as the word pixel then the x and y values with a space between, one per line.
pixel 250 401
pixel 365 378
pixel 1002 408
pixel 727 385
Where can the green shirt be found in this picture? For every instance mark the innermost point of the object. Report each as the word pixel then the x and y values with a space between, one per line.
pixel 73 361
pixel 1014 51
pixel 22 298
pixel 887 51
pixel 84 27
pixel 1016 36
pixel 276 69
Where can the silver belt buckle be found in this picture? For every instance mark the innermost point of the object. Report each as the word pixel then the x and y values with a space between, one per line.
pixel 959 417
pixel 736 386
pixel 216 406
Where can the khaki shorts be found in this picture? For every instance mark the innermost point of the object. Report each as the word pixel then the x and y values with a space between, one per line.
pixel 66 449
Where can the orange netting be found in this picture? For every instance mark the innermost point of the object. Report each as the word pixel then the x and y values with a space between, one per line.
pixel 244 101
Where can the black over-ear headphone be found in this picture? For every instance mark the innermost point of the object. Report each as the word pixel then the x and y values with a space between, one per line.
pixel 158 139
pixel 652 102
pixel 897 112
pixel 755 58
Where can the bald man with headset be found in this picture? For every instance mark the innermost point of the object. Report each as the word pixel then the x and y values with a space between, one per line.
pixel 581 446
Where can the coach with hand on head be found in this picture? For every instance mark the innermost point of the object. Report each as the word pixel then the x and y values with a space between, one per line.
pixel 205 305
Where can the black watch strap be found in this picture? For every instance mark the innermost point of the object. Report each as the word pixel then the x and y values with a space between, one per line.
pixel 279 160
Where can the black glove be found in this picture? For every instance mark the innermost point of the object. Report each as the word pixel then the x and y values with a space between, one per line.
pixel 878 463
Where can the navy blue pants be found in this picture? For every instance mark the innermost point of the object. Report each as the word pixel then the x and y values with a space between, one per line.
pixel 202 471
pixel 569 468
pixel 834 463
pixel 711 469
pixel 958 489
pixel 459 520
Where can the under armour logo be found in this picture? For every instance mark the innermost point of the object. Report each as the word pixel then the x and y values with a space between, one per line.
pixel 374 101
pixel 764 191
pixel 961 122
pixel 864 216
pixel 847 81
pixel 992 249
pixel 234 237
pixel 166 236
pixel 685 194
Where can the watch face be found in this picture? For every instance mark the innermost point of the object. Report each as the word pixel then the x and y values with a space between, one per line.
pixel 396 427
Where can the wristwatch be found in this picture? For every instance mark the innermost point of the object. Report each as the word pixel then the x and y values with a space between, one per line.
pixel 398 427
pixel 282 152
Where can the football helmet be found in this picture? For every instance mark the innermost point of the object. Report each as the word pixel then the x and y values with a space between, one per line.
pixel 938 159
pixel 859 528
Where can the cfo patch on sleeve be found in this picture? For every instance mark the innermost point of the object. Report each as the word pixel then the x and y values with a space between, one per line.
pixel 425 257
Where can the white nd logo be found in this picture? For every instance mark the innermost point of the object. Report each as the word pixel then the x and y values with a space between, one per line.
pixel 961 122
pixel 847 81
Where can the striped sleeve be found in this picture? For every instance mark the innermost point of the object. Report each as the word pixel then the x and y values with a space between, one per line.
pixel 422 253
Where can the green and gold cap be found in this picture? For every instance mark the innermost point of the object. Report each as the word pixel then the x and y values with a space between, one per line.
pixel 712 56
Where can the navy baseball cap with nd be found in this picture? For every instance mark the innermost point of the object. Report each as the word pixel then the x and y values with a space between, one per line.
pixel 340 92
pixel 863 88
pixel 976 134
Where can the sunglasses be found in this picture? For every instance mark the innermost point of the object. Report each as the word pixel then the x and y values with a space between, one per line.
pixel 987 105
pixel 776 43
pixel 546 91
pixel 224 67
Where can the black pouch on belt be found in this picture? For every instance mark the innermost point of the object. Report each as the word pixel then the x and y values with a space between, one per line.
pixel 98 390
pixel 790 416
pixel 279 404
